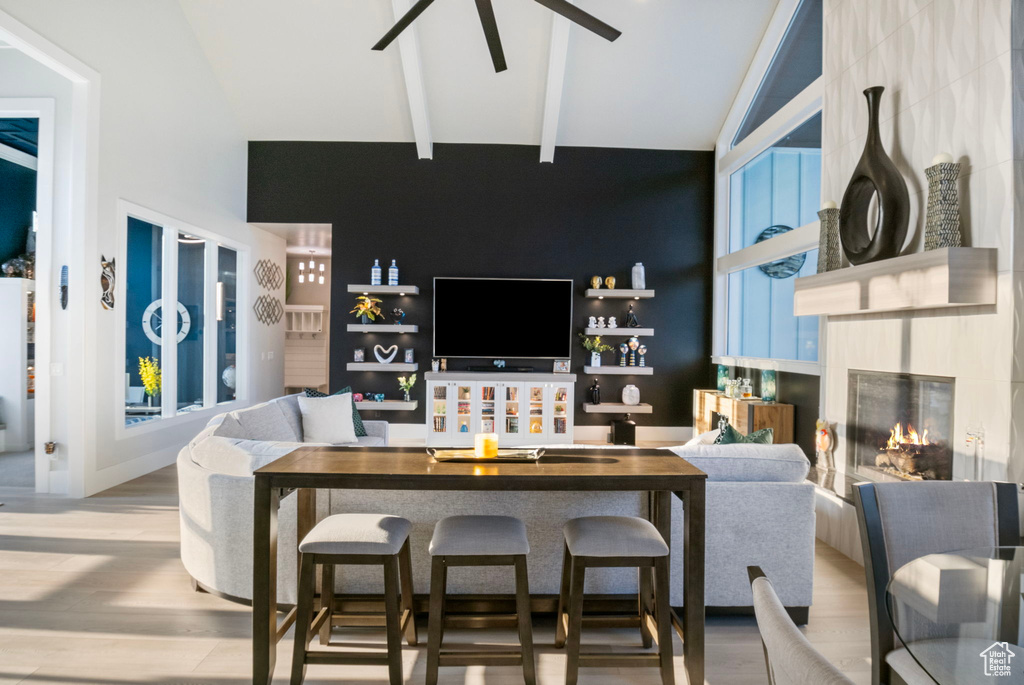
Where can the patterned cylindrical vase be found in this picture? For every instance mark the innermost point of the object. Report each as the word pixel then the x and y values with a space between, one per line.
pixel 723 376
pixel 769 385
pixel 942 225
pixel 829 254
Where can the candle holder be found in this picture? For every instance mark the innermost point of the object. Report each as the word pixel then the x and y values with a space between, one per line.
pixel 829 252
pixel 942 225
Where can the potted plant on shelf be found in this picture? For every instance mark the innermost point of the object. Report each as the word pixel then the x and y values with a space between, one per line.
pixel 405 384
pixel 367 308
pixel 149 372
pixel 595 347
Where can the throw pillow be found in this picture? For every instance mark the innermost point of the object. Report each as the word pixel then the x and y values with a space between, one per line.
pixel 709 438
pixel 357 420
pixel 327 419
pixel 731 436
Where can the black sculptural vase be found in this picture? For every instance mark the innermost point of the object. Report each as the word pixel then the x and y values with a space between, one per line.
pixel 874 176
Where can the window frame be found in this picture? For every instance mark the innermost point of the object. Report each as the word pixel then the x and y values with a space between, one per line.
pixel 169 415
pixel 729 159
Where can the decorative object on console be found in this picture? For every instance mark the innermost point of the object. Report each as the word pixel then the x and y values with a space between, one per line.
pixel 631 395
pixel 780 268
pixel 397 315
pixel 746 390
pixel 359 355
pixel 379 397
pixel 874 177
pixel 595 392
pixel 107 269
pixel 375 273
pixel 435 365
pixel 393 273
pixel 268 274
pixel 612 323
pixel 829 256
pixel 639 277
pixel 367 308
pixel 385 355
pixel 942 225
pixel 642 350
pixel 485 445
pixel 499 363
pixel 268 310
pixel 592 322
pixel 64 287
pixel 824 443
pixel 633 344
pixel 769 385
pixel 357 397
pixel 609 282
pixel 595 282
pixel 407 355
pixel 723 377
pixel 600 322
pixel 623 353
pixel 444 364
pixel 406 383
pixel 631 320
pixel 562 365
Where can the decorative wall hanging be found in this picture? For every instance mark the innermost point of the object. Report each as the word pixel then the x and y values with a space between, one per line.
pixel 153 321
pixel 942 225
pixel 268 310
pixel 829 256
pixel 107 269
pixel 385 355
pixel 782 268
pixel 875 176
pixel 64 287
pixel 268 274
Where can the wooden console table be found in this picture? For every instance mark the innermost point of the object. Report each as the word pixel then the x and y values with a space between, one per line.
pixel 746 416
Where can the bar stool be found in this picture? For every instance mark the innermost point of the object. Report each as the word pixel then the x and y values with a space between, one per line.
pixel 479 541
pixel 615 542
pixel 356 539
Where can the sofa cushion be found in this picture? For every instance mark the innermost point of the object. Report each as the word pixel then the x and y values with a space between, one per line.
pixel 357 420
pixel 730 436
pixel 239 457
pixel 747 462
pixel 289 405
pixel 371 441
pixel 327 419
pixel 266 422
pixel 708 438
pixel 229 427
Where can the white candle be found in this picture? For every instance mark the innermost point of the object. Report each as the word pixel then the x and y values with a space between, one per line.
pixel 942 158
pixel 829 204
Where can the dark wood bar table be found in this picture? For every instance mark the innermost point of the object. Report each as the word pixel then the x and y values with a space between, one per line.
pixel 659 472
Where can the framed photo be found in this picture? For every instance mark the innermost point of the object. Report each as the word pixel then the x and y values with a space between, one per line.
pixel 561 366
pixel 359 354
pixel 408 356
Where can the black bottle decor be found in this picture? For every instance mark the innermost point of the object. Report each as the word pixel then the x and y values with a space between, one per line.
pixel 595 392
pixel 874 176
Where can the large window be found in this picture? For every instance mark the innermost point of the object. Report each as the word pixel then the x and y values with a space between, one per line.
pixel 179 294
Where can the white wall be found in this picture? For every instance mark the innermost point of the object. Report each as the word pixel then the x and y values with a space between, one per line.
pixel 167 141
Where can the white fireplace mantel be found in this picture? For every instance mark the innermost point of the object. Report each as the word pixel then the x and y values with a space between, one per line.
pixel 946 277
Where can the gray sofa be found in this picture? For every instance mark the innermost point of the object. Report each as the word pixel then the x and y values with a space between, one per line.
pixel 760 511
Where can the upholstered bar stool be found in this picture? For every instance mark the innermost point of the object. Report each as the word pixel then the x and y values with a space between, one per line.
pixel 479 541
pixel 615 542
pixel 356 539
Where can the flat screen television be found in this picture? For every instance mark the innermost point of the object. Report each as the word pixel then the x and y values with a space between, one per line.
pixel 503 318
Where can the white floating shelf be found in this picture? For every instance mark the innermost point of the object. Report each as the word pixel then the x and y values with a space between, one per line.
pixel 617 408
pixel 382 328
pixel 388 405
pixel 618 370
pixel 947 277
pixel 384 289
pixel 621 331
pixel 619 294
pixel 377 366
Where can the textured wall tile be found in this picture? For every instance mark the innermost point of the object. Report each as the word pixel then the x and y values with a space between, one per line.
pixel 995 112
pixel 956 39
pixel 993 28
pixel 854 83
pixel 917 57
pixel 855 29
pixel 987 219
pixel 1017 104
pixel 883 69
pixel 957 115
pixel 831 122
pixel 832 46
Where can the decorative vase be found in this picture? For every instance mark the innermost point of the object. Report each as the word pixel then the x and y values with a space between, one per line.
pixel 769 385
pixel 595 359
pixel 406 395
pixel 723 377
pixel 631 395
pixel 874 176
pixel 364 319
pixel 829 256
pixel 639 277
pixel 942 225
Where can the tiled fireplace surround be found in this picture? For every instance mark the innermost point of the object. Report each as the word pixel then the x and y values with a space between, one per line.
pixel 953 72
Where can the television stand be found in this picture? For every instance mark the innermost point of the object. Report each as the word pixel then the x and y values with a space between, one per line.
pixel 506 369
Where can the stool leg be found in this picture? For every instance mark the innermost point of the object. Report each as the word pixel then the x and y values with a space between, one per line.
pixel 327 602
pixel 303 616
pixel 572 643
pixel 644 574
pixel 664 620
pixel 525 620
pixel 393 620
pixel 435 627
pixel 563 599
pixel 405 571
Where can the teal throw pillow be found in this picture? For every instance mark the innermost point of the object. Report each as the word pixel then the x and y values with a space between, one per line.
pixel 731 436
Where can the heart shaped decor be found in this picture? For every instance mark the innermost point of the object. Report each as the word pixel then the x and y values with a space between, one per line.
pixel 383 355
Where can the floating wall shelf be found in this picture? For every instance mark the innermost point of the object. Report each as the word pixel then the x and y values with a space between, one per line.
pixel 388 405
pixel 947 277
pixel 381 328
pixel 377 366
pixel 621 332
pixel 618 370
pixel 384 289
pixel 617 408
pixel 619 294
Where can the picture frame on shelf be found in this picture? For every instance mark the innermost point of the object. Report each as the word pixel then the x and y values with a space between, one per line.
pixel 359 354
pixel 561 366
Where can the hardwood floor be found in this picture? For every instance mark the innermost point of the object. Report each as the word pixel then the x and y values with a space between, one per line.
pixel 92 592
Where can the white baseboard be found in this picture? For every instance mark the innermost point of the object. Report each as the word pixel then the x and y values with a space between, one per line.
pixel 122 473
pixel 675 434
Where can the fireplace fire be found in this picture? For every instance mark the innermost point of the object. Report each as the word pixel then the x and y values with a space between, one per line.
pixel 911 455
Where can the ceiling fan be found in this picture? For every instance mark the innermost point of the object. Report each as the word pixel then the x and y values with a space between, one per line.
pixel 490 25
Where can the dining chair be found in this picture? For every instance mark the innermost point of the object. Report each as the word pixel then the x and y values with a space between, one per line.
pixel 788 656
pixel 900 522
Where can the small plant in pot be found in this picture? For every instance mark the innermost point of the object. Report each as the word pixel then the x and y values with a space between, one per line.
pixel 595 347
pixel 367 308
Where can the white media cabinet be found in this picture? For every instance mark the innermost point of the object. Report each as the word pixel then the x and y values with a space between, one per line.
pixel 522 408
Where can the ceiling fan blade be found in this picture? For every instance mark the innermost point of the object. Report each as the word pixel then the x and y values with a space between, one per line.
pixel 587 21
pixel 490 25
pixel 403 23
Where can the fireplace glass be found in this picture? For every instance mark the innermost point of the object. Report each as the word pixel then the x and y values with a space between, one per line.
pixel 900 426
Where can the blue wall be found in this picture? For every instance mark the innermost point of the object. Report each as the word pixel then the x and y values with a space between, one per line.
pixel 17 202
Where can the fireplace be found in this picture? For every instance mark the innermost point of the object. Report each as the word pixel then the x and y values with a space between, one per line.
pixel 900 426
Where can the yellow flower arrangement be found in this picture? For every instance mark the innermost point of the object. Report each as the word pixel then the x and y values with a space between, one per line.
pixel 149 371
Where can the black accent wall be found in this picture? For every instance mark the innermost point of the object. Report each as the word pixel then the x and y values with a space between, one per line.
pixel 494 210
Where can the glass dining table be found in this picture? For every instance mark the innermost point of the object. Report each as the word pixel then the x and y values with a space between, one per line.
pixel 959 614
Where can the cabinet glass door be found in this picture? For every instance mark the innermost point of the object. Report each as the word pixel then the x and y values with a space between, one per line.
pixel 535 397
pixel 560 410
pixel 487 394
pixel 439 409
pixel 464 409
pixel 510 409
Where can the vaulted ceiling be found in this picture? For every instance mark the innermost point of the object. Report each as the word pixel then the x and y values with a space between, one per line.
pixel 303 70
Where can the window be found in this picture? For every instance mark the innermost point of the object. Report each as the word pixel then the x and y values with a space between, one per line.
pixel 183 357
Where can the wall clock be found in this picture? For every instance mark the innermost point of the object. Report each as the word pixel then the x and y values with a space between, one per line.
pixel 152 322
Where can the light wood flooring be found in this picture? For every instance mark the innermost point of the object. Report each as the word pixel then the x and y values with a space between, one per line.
pixel 92 592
